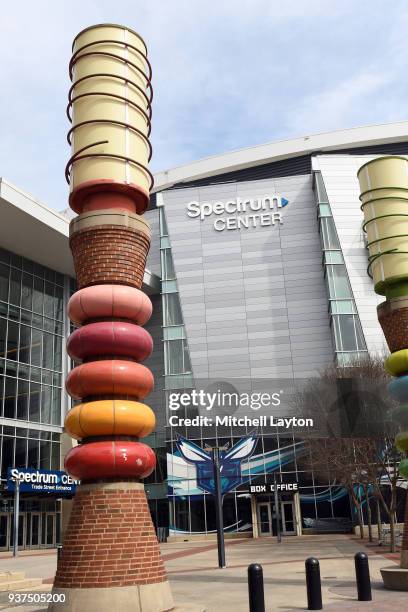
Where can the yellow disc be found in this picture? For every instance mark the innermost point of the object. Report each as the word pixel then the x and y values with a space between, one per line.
pixel 397 363
pixel 110 417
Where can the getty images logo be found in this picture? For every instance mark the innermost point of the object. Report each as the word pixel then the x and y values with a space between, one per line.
pixel 240 213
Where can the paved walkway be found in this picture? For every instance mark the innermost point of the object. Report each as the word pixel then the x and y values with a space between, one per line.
pixel 196 579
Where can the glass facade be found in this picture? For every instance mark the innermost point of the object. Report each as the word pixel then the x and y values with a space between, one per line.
pixel 176 356
pixel 347 333
pixel 31 340
pixel 31 380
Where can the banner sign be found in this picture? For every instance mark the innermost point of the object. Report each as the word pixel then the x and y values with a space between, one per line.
pixel 41 481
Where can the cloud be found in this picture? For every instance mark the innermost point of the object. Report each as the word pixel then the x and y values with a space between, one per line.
pixel 226 75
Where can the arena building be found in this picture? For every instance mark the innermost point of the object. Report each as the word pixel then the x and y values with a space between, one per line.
pixel 257 273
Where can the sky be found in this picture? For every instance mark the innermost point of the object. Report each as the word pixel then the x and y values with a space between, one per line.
pixel 226 75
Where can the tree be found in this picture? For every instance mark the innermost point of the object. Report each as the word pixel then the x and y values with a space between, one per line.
pixel 352 440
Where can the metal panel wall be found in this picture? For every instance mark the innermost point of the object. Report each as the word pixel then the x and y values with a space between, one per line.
pixel 254 300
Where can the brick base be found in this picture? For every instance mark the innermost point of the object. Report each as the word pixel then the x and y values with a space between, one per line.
pixel 110 540
pixel 393 317
pixel 109 255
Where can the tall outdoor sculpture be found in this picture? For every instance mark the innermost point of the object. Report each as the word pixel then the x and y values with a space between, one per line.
pixel 384 196
pixel 110 557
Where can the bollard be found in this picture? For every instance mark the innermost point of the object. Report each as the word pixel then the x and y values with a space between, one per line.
pixel 256 588
pixel 59 551
pixel 313 584
pixel 362 577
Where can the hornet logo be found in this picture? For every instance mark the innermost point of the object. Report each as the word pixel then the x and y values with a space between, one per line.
pixel 230 463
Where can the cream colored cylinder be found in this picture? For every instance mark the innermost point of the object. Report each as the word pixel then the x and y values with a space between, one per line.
pixel 384 193
pixel 110 105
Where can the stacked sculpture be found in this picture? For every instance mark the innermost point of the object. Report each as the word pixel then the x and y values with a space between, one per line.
pixel 110 556
pixel 384 196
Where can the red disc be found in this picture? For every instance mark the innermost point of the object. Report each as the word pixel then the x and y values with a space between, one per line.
pixel 110 459
pixel 113 338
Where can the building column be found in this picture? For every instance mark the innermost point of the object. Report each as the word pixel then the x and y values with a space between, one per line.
pixel 255 532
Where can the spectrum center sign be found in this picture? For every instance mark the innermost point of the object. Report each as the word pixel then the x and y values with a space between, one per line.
pixel 41 481
pixel 240 213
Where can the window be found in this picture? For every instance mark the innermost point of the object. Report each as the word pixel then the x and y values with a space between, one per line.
pixel 339 286
pixel 172 309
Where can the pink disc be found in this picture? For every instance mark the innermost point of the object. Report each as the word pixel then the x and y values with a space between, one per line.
pixel 109 302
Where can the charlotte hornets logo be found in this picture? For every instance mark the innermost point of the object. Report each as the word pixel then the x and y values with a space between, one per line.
pixel 230 463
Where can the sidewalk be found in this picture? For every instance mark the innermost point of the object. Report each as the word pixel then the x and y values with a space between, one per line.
pixel 196 579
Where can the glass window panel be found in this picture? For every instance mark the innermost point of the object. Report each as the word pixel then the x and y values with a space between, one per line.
pixel 38 295
pixel 174 333
pixel 15 287
pixel 35 393
pixel 36 347
pixel 342 307
pixel 348 333
pixel 174 357
pixel 163 222
pixel 4 282
pixel 48 299
pixel 187 362
pixel 333 257
pixel 38 321
pixel 58 303
pixel 11 368
pixel 169 286
pixel 46 404
pixel 329 234
pixel 10 398
pixel 339 286
pixel 324 210
pixel 48 351
pixel 46 377
pixel 56 407
pixel 3 334
pixel 55 456
pixel 35 374
pixel 14 313
pixel 21 452
pixel 28 265
pixel 3 309
pixel 45 455
pixel 33 454
pixel 27 291
pixel 167 264
pixel 7 457
pixel 320 187
pixel 25 340
pixel 22 400
pixel 57 341
pixel 12 341
pixel 172 310
pixel 24 371
pixel 164 242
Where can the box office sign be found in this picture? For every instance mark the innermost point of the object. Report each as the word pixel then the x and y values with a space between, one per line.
pixel 41 481
pixel 281 487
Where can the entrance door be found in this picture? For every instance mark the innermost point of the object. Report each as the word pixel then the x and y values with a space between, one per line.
pixel 4 531
pixel 21 530
pixel 264 519
pixel 35 530
pixel 288 518
pixel 50 530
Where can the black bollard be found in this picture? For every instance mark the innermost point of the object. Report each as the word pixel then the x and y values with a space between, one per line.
pixel 313 584
pixel 362 577
pixel 59 551
pixel 256 588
